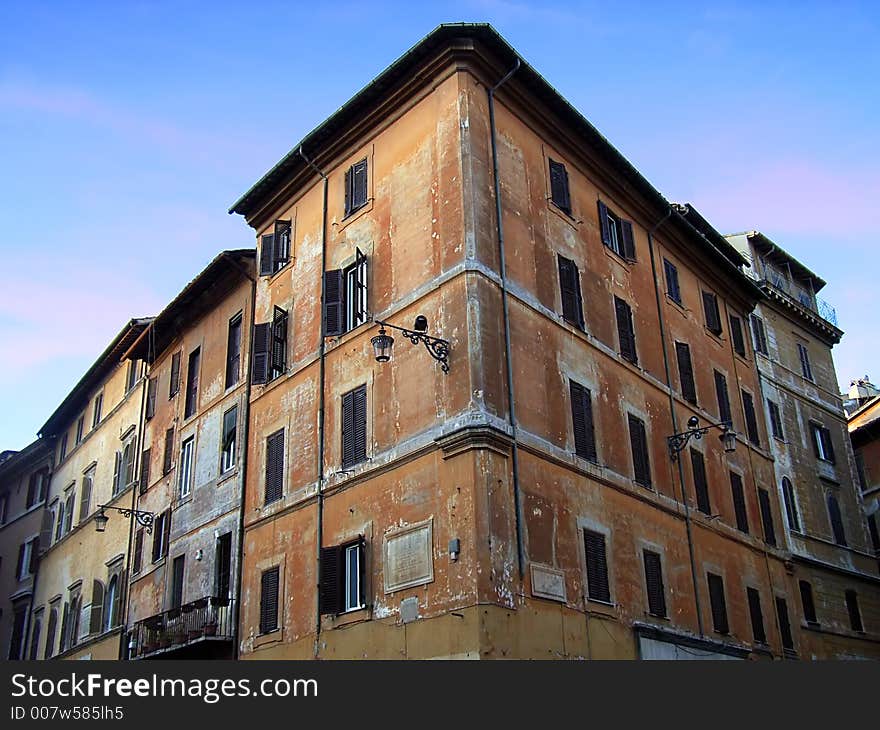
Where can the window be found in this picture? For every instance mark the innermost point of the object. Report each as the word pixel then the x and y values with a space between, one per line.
pixel 269 600
pixel 354 427
pixel 724 414
pixel 617 234
pixel 807 602
pixel 145 470
pixel 759 336
pixel 51 627
pixel 138 559
pixel 168 456
pixel 186 467
pixel 766 516
pixel 28 555
pixel 836 520
pixel 152 391
pixel 80 427
pixel 19 630
pixel 177 567
pixel 806 368
pixel 673 290
pixel 654 583
pixel 791 512
pixel 639 444
pixel 4 504
pixel 62 452
pixel 65 620
pixel 132 377
pixel 701 486
pixel 784 624
pixel 570 288
pixel 275 248
pixel 192 383
pixel 852 607
pixel 739 503
pixel 223 566
pixel 161 531
pixel 717 603
pixel 96 414
pixel 356 187
pixel 775 420
pixel 710 309
pixel 756 615
pixel 124 468
pixel 59 523
pixel 38 485
pixel 686 372
pixel 559 192
pixel 85 499
pixel 75 616
pixel 230 428
pixel 874 533
pixel 625 332
pixel 860 470
pixel 69 502
pixel 343 577
pixel 736 334
pixel 270 348
pixel 823 448
pixel 174 382
pixel 582 421
pixel 274 467
pixel 598 587
pixel 345 297
pixel 112 603
pixel 751 419
pixel 35 634
pixel 233 351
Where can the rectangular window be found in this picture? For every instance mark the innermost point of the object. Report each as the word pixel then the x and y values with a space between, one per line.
pixel 767 516
pixel 625 331
pixel 177 582
pixel 192 383
pixel 570 289
pixel 717 603
pixel 559 192
pixel 739 503
pixel 775 420
pixel 654 583
pixel 356 187
pixel 230 429
pixel 28 554
pixel 673 290
pixel 710 309
pixel 345 297
pixel 784 624
pixel 724 413
pixel 582 421
pixel 186 467
pixel 152 391
pixel 233 351
pixel 274 467
pixel 144 484
pixel 269 585
pixel 759 336
pixel 617 234
pixel 131 380
pixel 686 372
pixel 806 368
pixel 354 427
pixel 791 511
pixel 37 488
pixel 161 531
pixel 807 602
pixel 168 456
pixel 85 499
pixel 756 615
pixel 174 382
pixel 598 586
pixel 4 505
pixel 639 444
pixel 823 448
pixel 62 451
pixel 138 560
pixel 19 630
pixel 751 419
pixel 69 502
pixel 855 615
pixel 736 334
pixel 353 577
pixel 80 427
pixel 275 248
pixel 342 577
pixel 223 566
pixel 701 485
pixel 874 533
pixel 278 359
pixel 836 519
pixel 96 413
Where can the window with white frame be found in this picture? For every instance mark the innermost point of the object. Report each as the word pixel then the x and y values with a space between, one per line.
pixel 186 466
pixel 353 577
pixel 230 428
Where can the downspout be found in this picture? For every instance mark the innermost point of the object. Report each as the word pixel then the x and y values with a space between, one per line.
pixel 687 514
pixel 29 628
pixel 322 377
pixel 511 408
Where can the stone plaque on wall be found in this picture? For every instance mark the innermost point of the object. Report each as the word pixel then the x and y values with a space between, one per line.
pixel 548 582
pixel 409 557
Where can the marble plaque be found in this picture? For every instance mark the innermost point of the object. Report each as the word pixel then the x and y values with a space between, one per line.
pixel 548 582
pixel 409 557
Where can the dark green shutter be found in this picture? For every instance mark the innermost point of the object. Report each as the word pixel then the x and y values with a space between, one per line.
pixel 739 503
pixel 582 421
pixel 598 588
pixel 701 486
pixel 570 288
pixel 654 583
pixel 686 372
pixel 331 580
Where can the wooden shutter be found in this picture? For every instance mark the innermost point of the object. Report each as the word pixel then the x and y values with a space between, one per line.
pixel 85 500
pixel 177 569
pixel 701 486
pixel 767 516
pixel 19 569
pixel 751 419
pixel 724 414
pixel 604 225
pixel 739 503
pixel 805 361
pixel 559 192
pixel 757 616
pixel 152 389
pixel 65 617
pixel 192 383
pixel 625 332
pixel 96 610
pixel 360 278
pixel 348 179
pixel 166 537
pixel 158 534
pixel 713 318
pixel 269 584
pixel 598 587
pixel 46 524
pixel 169 450
pixel 279 341
pixel 334 302
pixel 267 254
pixel 582 421
pixel 274 466
pixel 145 470
pixel 654 583
pixel 836 520
pixel 639 444
pixel 570 288
pixel 117 475
pixel 784 623
pixel 223 566
pixel 174 383
pixel 359 185
pixel 759 336
pixel 672 286
pixel 718 605
pixel 686 372
pixel 260 361
pixel 354 426
pixel 775 420
pixel 736 333
pixel 347 429
pixel 629 244
pixel 233 351
pixel 807 601
pixel 51 627
pixel 790 505
pixel 138 561
pixel 332 578
pixel 281 253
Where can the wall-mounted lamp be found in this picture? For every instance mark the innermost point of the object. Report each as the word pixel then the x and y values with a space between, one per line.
pixel 678 441
pixel 454 549
pixel 143 518
pixel 436 347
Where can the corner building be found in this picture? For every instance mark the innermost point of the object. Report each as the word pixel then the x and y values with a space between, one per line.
pixel 524 505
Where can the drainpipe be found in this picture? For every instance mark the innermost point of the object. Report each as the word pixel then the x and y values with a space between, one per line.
pixel 687 514
pixel 321 397
pixel 511 408
pixel 29 626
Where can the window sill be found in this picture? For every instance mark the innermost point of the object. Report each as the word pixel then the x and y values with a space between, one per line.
pixel 274 275
pixel 562 214
pixel 351 616
pixel 614 256
pixel 716 336
pixel 676 303
pixel 227 475
pixel 602 608
pixel 353 215
pixel 271 637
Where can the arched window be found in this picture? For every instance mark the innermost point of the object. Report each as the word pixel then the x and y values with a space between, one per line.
pixel 50 633
pixel 791 512
pixel 75 610
pixel 111 604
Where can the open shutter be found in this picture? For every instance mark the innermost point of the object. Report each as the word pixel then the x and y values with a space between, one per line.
pixel 629 244
pixel 598 587
pixel 279 341
pixel 827 445
pixel 334 303
pixel 332 577
pixel 96 612
pixel 269 585
pixel 360 271
pixel 348 177
pixel 260 364
pixel 604 224
pixel 152 389
pixel 686 372
pixel 117 461
pixel 559 192
pixel 654 583
pixel 701 486
pixel 767 517
pixel 569 286
pixel 19 569
pixel 582 421
pixel 267 254
pixel 167 528
pixel 362 571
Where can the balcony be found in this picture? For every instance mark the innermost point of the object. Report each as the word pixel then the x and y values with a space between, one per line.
pixel 780 279
pixel 204 628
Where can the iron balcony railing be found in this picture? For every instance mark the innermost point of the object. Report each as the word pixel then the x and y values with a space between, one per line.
pixel 208 618
pixel 781 280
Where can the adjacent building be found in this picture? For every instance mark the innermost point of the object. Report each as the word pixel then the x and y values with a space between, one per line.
pixel 864 432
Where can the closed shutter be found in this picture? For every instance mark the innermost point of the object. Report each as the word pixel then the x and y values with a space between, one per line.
pixel 775 420
pixel 739 503
pixel 96 610
pixel 354 426
pixel 152 390
pixel 138 561
pixel 629 244
pixel 757 616
pixel 174 383
pixel 169 450
pixel 260 363
pixel 639 444
pixel 269 585
pixel 767 516
pixel 598 587
pixel 145 470
pixel 654 584
pixel 736 333
pixel 192 383
pixel 559 192
pixel 274 466
pixel 751 419
pixel 673 290
pixel 334 302
pixel 805 362
pixel 724 414
pixel 46 530
pixel 358 185
pixel 836 520
pixel 807 602
pixel 713 318
pixel 267 254
pixel 718 604
pixel 605 225
pixel 582 421
pixel 784 623
pixel 570 289
pixel 332 578
pixel 85 500
pixel 686 372
pixel 759 335
pixel 625 331
pixel 701 486
pixel 279 342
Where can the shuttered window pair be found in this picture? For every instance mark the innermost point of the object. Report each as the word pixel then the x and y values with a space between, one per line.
pixel 274 487
pixel 343 577
pixel 751 418
pixel 192 383
pixel 767 516
pixel 736 334
pixel 270 348
pixel 701 484
pixel 717 603
pixel 598 586
pixel 570 291
pixel 724 412
pixel 710 310
pixel 739 503
pixel 582 421
pixel 559 190
pixel 356 187
pixel 638 440
pixel 759 335
pixel 686 372
pixel 275 248
pixel 354 427
pixel 626 333
pixel 673 289
pixel 345 297
pixel 617 234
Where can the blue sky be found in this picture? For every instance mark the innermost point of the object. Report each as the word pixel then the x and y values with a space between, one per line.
pixel 127 130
